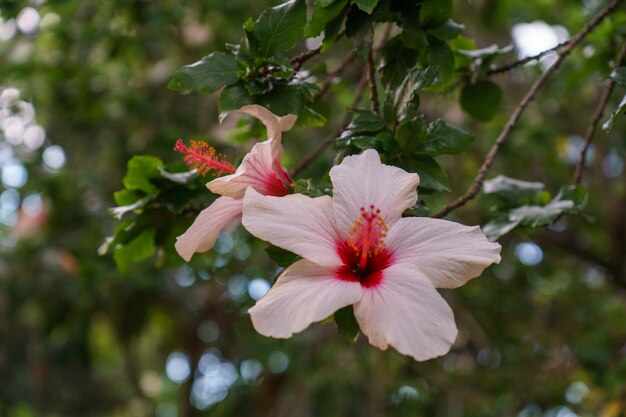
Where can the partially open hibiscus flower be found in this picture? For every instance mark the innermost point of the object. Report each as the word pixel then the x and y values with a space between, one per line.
pixel 260 169
pixel 358 250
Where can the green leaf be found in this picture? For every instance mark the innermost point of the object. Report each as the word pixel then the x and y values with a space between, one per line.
pixel 279 28
pixel 311 118
pixel 367 6
pixel 333 28
pixel 397 59
pixel 512 189
pixel 280 256
pixel 405 99
pixel 432 175
pixel 418 210
pixel 232 98
pixel 569 200
pixel 282 100
pixel 359 29
pixel 621 108
pixel 411 132
pixel 366 121
pixel 481 100
pixel 321 16
pixel 435 12
pixel 448 30
pixel 126 197
pixel 346 323
pixel 207 75
pixel 619 76
pixel 443 138
pixel 141 169
pixel 140 248
pixel 440 56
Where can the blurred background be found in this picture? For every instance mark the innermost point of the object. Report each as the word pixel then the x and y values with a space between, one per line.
pixel 83 88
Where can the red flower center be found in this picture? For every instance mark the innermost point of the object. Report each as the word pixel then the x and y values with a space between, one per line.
pixel 363 255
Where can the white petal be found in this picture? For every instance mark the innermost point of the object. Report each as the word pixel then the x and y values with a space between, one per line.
pixel 305 293
pixel 449 253
pixel 201 235
pixel 362 180
pixel 259 169
pixel 297 223
pixel 274 124
pixel 406 312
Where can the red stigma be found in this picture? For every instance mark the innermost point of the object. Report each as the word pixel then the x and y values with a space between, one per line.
pixel 203 157
pixel 363 254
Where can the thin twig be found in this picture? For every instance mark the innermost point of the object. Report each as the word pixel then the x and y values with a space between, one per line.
pixel 484 169
pixel 300 59
pixel 371 80
pixel 331 137
pixel 331 77
pixel 597 115
pixel 511 65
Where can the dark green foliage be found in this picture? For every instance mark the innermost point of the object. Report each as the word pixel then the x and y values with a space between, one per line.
pixel 347 324
pixel 481 100
pixel 207 75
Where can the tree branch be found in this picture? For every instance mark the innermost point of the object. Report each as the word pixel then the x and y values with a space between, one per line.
pixel 300 59
pixel 371 79
pixel 330 138
pixel 331 77
pixel 484 169
pixel 511 65
pixel 597 115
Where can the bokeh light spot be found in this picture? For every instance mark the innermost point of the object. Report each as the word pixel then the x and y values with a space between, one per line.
pixel 528 253
pixel 177 367
pixel 257 288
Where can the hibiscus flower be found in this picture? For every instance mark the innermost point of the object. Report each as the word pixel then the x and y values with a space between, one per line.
pixel 358 250
pixel 260 170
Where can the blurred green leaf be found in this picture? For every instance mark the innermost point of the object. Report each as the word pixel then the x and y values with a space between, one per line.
pixel 141 169
pixel 280 256
pixel 481 100
pixel 207 75
pixel 621 109
pixel 619 76
pixel 346 323
pixel 367 6
pixel 512 189
pixel 140 248
pixel 448 30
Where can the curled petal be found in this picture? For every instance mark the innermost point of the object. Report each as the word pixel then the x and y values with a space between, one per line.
pixel 448 253
pixel 258 170
pixel 274 124
pixel 201 235
pixel 362 180
pixel 297 223
pixel 406 312
pixel 305 293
